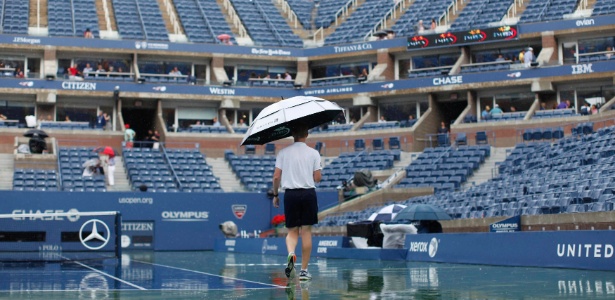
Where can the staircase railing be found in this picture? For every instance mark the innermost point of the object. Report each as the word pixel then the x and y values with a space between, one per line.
pixel 398 8
pixel 269 23
pixel 141 19
pixel 235 18
pixel 172 18
pixel 289 12
pixel 342 11
pixel 211 31
pixel 512 10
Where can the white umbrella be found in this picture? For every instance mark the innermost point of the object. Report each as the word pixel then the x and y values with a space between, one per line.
pixel 276 120
pixel 387 213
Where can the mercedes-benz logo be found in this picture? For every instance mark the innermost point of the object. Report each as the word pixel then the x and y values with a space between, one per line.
pixel 94 235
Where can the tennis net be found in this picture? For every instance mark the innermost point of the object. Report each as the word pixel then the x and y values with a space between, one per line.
pixel 27 236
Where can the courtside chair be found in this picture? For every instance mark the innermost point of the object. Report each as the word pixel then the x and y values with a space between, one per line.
pixel 394 143
pixel 378 144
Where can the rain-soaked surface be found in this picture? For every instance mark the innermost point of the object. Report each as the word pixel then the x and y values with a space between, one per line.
pixel 217 275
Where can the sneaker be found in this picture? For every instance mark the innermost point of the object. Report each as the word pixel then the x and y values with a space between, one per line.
pixel 305 275
pixel 290 267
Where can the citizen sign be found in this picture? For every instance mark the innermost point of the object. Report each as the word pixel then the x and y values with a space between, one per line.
pixel 185 216
pixel 448 80
pixel 82 86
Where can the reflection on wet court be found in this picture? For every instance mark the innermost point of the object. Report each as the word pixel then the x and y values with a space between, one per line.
pixel 216 275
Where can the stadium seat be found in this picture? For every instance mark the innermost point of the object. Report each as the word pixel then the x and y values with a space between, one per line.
pixel 481 138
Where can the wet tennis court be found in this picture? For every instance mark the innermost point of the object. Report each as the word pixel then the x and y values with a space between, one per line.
pixel 217 275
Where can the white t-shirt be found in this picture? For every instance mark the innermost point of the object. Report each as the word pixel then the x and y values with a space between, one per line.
pixel 298 163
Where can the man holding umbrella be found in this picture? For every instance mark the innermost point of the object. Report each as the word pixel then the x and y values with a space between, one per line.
pixel 297 169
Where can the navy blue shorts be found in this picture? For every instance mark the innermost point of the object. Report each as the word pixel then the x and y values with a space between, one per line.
pixel 300 207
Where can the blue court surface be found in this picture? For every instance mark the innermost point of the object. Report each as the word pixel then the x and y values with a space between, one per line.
pixel 220 275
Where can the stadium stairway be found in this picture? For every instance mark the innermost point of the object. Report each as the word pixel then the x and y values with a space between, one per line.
pixel 485 172
pixel 7 167
pixel 227 179
pixel 121 181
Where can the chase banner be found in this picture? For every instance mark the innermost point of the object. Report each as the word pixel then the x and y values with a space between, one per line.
pixel 473 36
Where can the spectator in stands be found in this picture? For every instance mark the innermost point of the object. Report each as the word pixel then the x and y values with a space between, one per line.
pixel 99 69
pixel 88 34
pixel 410 121
pixel 563 104
pixel 390 34
pixel 107 121
pixel 593 109
pixel 420 28
pixel 543 105
pixel 363 75
pixel 242 123
pixel 120 70
pixel 111 70
pixel 73 73
pixel 87 70
pixel 129 134
pixel 100 120
pixel 175 72
pixel 300 200
pixel 67 119
pixel 156 137
pixel 287 76
pixel 382 119
pixel 442 128
pixel 278 77
pixel 433 24
pixel 528 57
pixel 584 110
pixel 500 58
pixel 266 81
pixel 19 73
pixel 496 110
pixel 2 117
pixel 513 109
pixel 216 122
pixel 486 114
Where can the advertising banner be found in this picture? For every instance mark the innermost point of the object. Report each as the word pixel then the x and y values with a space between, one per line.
pixel 508 225
pixel 458 38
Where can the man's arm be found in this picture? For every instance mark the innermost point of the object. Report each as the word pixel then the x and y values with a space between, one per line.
pixel 277 177
pixel 317 176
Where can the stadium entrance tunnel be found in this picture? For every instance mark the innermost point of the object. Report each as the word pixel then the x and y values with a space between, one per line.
pixel 141 119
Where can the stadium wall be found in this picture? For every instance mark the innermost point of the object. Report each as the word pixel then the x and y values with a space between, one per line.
pixel 181 221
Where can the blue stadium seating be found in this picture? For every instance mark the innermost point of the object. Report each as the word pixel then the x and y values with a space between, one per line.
pixel 343 167
pixel 207 129
pixel 202 20
pixel 35 180
pixel 140 20
pixel 255 172
pixel 479 13
pixel 603 7
pixel 327 10
pixel 360 22
pixel 15 16
pixel 420 10
pixel 71 161
pixel 510 116
pixel 72 18
pixel 303 9
pixel 381 125
pixel 193 172
pixel 547 10
pixel 555 113
pixel 331 128
pixel 265 25
pixel 66 125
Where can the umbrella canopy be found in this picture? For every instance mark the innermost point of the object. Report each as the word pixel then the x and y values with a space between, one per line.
pixel 380 33
pixel 418 212
pixel 276 120
pixel 36 133
pixel 387 213
pixel 91 162
pixel 224 36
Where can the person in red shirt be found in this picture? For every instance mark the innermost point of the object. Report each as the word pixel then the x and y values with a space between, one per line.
pixel 73 73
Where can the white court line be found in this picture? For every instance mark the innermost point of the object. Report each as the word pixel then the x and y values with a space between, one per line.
pixel 210 274
pixel 111 276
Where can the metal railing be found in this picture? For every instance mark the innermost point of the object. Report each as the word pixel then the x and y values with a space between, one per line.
pixel 289 12
pixel 343 11
pixel 389 15
pixel 235 18
pixel 172 17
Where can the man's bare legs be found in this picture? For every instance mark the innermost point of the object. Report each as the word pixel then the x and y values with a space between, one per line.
pixel 306 246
